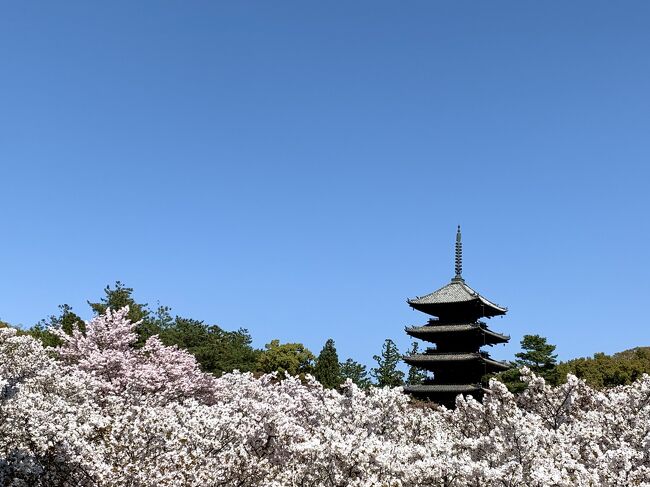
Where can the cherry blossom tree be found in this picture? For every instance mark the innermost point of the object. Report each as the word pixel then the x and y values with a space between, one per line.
pixel 97 411
pixel 106 350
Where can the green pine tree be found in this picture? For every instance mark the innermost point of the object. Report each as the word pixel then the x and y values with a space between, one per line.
pixel 537 354
pixel 217 350
pixel 328 370
pixel 386 373
pixel 356 372
pixel 120 296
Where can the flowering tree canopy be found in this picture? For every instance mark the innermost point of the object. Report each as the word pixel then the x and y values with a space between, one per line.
pixel 99 412
pixel 106 350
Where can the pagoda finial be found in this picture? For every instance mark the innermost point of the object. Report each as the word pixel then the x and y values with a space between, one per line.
pixel 459 256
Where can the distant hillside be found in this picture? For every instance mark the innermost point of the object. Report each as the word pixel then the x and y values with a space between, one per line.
pixel 609 370
pixel 632 353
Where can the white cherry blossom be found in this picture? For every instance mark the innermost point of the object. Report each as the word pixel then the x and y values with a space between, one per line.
pixel 99 412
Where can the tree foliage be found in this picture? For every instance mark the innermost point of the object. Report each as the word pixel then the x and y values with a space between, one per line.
pixel 387 373
pixel 356 372
pixel 603 370
pixel 65 321
pixel 537 355
pixel 106 350
pixel 327 370
pixel 290 358
pixel 120 297
pixel 215 349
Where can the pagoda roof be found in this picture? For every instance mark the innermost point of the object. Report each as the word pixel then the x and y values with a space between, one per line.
pixel 455 293
pixel 445 357
pixel 435 329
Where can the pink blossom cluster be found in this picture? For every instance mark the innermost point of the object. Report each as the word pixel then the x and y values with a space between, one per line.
pixel 99 412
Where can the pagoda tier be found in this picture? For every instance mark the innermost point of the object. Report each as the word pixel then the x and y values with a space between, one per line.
pixel 456 302
pixel 457 336
pixel 453 365
pixel 456 361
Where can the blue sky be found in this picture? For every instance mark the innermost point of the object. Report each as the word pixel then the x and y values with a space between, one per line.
pixel 299 168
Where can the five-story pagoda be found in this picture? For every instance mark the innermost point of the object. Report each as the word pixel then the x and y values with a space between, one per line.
pixel 458 334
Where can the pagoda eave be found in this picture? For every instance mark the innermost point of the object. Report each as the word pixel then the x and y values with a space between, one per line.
pixel 456 299
pixel 434 361
pixel 472 308
pixel 433 332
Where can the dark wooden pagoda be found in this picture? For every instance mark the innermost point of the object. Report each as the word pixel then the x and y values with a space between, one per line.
pixel 456 360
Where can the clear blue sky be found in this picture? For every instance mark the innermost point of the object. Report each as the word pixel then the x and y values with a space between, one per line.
pixel 299 168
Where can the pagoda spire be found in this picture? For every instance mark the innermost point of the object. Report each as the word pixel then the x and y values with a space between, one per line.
pixel 459 256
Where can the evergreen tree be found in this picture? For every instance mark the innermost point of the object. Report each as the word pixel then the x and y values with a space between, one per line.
pixel 328 370
pixel 511 379
pixel 538 356
pixel 356 372
pixel 386 373
pixel 120 296
pixel 151 322
pixel 415 376
pixel 603 370
pixel 67 320
pixel 216 350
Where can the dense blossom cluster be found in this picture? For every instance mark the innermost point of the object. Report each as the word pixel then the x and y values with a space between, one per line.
pixel 99 412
